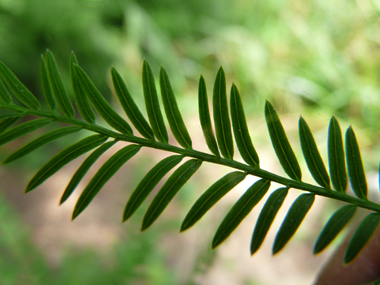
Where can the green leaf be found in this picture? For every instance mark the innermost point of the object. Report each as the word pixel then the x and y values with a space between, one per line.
pixel 23 129
pixel 82 170
pixel 19 90
pixel 84 106
pixel 211 196
pixel 361 236
pixel 40 141
pixel 355 165
pixel 5 97
pixel 64 157
pixel 59 91
pixel 100 104
pixel 11 115
pixel 337 162
pixel 333 227
pixel 172 112
pixel 240 210
pixel 313 158
pixel 6 123
pixel 130 106
pixel 221 116
pixel 266 217
pixel 292 221
pixel 46 87
pixel 241 133
pixel 169 190
pixel 152 106
pixel 281 143
pixel 148 183
pixel 204 117
pixel 108 169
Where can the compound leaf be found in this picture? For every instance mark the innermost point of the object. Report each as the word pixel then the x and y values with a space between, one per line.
pixel 221 116
pixel 212 195
pixel 59 91
pixel 337 162
pixel 152 106
pixel 100 104
pixel 281 143
pixel 241 133
pixel 130 106
pixel 292 221
pixel 108 169
pixel 172 112
pixel 333 227
pixel 361 236
pixel 5 97
pixel 240 210
pixel 147 184
pixel 204 117
pixel 82 170
pixel 64 157
pixel 312 156
pixel 266 217
pixel 168 191
pixel 23 129
pixel 40 141
pixel 355 165
pixel 6 123
pixel 46 87
pixel 18 89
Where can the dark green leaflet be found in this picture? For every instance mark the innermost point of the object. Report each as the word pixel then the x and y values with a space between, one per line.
pixel 64 157
pixel 5 97
pixel 337 162
pixel 221 116
pixel 293 219
pixel 335 224
pixel 148 183
pixel 6 123
pixel 82 170
pixel 109 168
pixel 241 133
pixel 169 190
pixel 152 106
pixel 240 210
pixel 40 141
pixel 130 106
pixel 313 158
pixel 23 129
pixel 172 112
pixel 266 217
pixel 204 117
pixel 80 97
pixel 18 89
pixel 59 91
pixel 355 165
pixel 212 195
pixel 48 92
pixel 11 115
pixel 100 104
pixel 361 236
pixel 281 143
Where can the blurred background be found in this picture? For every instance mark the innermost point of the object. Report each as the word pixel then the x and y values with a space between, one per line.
pixel 315 58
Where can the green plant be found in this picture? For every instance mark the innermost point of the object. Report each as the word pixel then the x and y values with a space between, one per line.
pixel 343 161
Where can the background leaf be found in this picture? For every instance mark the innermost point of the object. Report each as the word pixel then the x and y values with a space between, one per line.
pixel 221 116
pixel 337 162
pixel 266 217
pixel 152 105
pixel 240 210
pixel 281 143
pixel 212 195
pixel 355 165
pixel 173 114
pixel 292 221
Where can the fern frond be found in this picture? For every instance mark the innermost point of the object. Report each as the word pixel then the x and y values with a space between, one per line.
pixel 221 146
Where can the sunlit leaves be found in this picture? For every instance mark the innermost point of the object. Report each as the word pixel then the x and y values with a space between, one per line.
pixel 281 143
